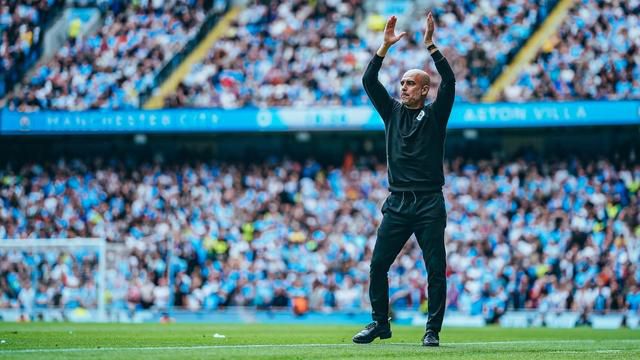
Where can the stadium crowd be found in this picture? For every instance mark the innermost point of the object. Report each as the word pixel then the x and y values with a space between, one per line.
pixel 20 30
pixel 293 54
pixel 595 55
pixel 109 69
pixel 520 235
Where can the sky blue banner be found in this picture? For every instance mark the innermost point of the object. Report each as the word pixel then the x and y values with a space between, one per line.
pixel 464 116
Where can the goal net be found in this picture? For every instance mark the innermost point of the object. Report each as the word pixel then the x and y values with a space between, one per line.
pixel 53 279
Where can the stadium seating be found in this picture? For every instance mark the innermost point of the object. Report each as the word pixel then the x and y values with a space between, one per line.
pixel 65 280
pixel 296 55
pixel 292 54
pixel 109 69
pixel 521 235
pixel 322 60
pixel 593 56
pixel 21 28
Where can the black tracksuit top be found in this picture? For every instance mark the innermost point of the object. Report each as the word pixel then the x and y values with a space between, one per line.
pixel 414 137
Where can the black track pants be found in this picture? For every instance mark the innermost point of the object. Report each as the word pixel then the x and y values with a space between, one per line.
pixel 406 213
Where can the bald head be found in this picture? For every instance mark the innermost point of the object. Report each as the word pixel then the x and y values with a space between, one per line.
pixel 419 75
pixel 414 88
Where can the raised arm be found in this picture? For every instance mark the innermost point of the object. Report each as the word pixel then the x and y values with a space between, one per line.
pixel 447 90
pixel 375 90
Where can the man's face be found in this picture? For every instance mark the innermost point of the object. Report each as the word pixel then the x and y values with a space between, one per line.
pixel 414 87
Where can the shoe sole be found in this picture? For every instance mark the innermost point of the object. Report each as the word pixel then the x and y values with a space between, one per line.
pixel 381 336
pixel 431 345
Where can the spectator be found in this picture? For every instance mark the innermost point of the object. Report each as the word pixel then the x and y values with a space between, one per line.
pixel 109 69
pixel 21 27
pixel 521 235
pixel 594 56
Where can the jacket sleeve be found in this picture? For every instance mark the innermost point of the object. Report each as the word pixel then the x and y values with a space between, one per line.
pixel 446 92
pixel 379 96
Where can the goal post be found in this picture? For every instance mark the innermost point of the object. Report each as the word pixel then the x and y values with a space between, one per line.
pixel 42 245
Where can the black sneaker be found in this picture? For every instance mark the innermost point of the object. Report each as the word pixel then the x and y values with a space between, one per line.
pixel 372 331
pixel 431 338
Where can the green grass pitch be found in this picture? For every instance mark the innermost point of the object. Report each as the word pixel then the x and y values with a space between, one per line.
pixel 197 341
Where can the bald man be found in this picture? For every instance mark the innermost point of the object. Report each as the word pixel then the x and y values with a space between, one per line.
pixel 415 135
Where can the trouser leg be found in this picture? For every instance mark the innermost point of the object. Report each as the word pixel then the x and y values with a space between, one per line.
pixel 393 233
pixel 430 234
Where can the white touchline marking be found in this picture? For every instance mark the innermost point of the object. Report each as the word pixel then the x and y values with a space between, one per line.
pixel 603 351
pixel 248 346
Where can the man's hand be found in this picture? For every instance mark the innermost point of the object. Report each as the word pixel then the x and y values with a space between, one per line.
pixel 428 31
pixel 390 36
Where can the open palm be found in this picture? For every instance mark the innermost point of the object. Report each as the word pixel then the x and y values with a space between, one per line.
pixel 390 36
pixel 429 29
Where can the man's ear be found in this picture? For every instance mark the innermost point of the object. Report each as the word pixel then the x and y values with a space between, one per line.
pixel 425 90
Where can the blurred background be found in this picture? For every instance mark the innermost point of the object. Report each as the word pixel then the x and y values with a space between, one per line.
pixel 222 161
